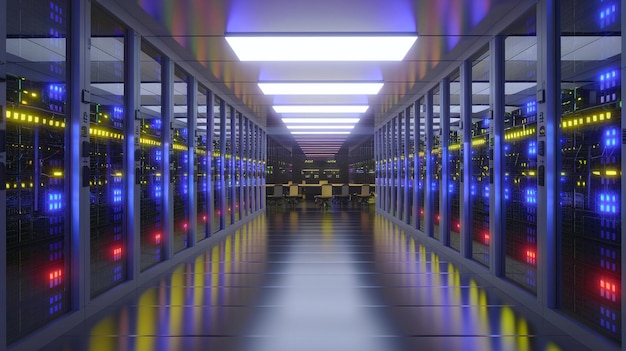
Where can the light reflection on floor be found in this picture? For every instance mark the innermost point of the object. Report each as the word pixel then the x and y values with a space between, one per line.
pixel 316 280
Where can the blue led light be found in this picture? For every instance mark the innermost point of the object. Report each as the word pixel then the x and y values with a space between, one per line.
pixel 608 80
pixel 117 195
pixel 158 191
pixel 55 202
pixel 117 273
pixel 56 92
pixel 532 148
pixel 610 137
pixel 506 193
pixel 608 15
pixel 531 196
pixel 156 124
pixel 609 203
pixel 158 155
pixel 531 107
pixel 486 191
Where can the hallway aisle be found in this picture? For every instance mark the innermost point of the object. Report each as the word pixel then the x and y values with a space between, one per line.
pixel 315 280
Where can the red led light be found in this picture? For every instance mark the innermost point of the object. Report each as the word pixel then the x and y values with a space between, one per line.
pixel 55 278
pixel 117 254
pixel 608 290
pixel 487 237
pixel 204 218
pixel 531 257
pixel 185 226
pixel 157 238
pixel 422 212
pixel 458 226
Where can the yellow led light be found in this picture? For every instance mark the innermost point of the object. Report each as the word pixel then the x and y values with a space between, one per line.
pixel 588 119
pixel 118 174
pixel 57 174
pixel 602 117
pixel 596 173
pixel 608 115
pixel 611 172
pixel 595 118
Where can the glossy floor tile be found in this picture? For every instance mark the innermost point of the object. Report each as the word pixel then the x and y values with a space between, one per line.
pixel 316 279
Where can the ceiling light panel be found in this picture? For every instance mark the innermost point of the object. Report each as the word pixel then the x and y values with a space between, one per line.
pixel 320 132
pixel 321 48
pixel 324 121
pixel 321 108
pixel 334 127
pixel 320 88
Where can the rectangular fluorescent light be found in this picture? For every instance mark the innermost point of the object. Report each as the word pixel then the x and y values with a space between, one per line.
pixel 298 126
pixel 320 132
pixel 300 88
pixel 320 48
pixel 320 108
pixel 320 120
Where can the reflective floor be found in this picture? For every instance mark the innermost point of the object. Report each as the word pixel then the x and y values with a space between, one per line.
pixel 316 279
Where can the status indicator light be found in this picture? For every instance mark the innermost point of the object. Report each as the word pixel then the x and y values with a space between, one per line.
pixel 55 278
pixel 117 254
